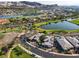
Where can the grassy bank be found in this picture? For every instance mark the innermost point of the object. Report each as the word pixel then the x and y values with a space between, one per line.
pixel 19 53
pixel 75 21
pixel 43 23
pixel 64 31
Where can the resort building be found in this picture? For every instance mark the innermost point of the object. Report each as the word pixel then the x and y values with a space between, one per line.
pixel 73 41
pixel 36 37
pixel 62 44
pixel 48 41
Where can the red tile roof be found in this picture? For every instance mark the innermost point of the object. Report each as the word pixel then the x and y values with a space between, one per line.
pixel 3 21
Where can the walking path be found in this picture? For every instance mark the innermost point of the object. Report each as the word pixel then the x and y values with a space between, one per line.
pixel 9 52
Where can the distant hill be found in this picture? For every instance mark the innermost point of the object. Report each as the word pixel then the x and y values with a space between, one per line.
pixel 31 3
pixel 31 8
pixel 39 5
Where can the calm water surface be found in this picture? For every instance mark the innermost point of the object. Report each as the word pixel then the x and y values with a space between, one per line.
pixel 65 25
pixel 8 16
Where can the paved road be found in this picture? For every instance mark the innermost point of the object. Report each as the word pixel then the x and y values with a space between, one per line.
pixel 43 53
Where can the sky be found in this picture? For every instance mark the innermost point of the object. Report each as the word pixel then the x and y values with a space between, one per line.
pixel 49 2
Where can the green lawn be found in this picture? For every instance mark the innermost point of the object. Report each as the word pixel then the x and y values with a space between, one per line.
pixel 19 53
pixel 43 23
pixel 75 21
pixel 2 56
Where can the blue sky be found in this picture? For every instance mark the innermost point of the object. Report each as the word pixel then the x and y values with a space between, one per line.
pixel 59 2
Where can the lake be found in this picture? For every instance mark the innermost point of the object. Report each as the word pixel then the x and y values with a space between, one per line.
pixel 65 25
pixel 7 16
